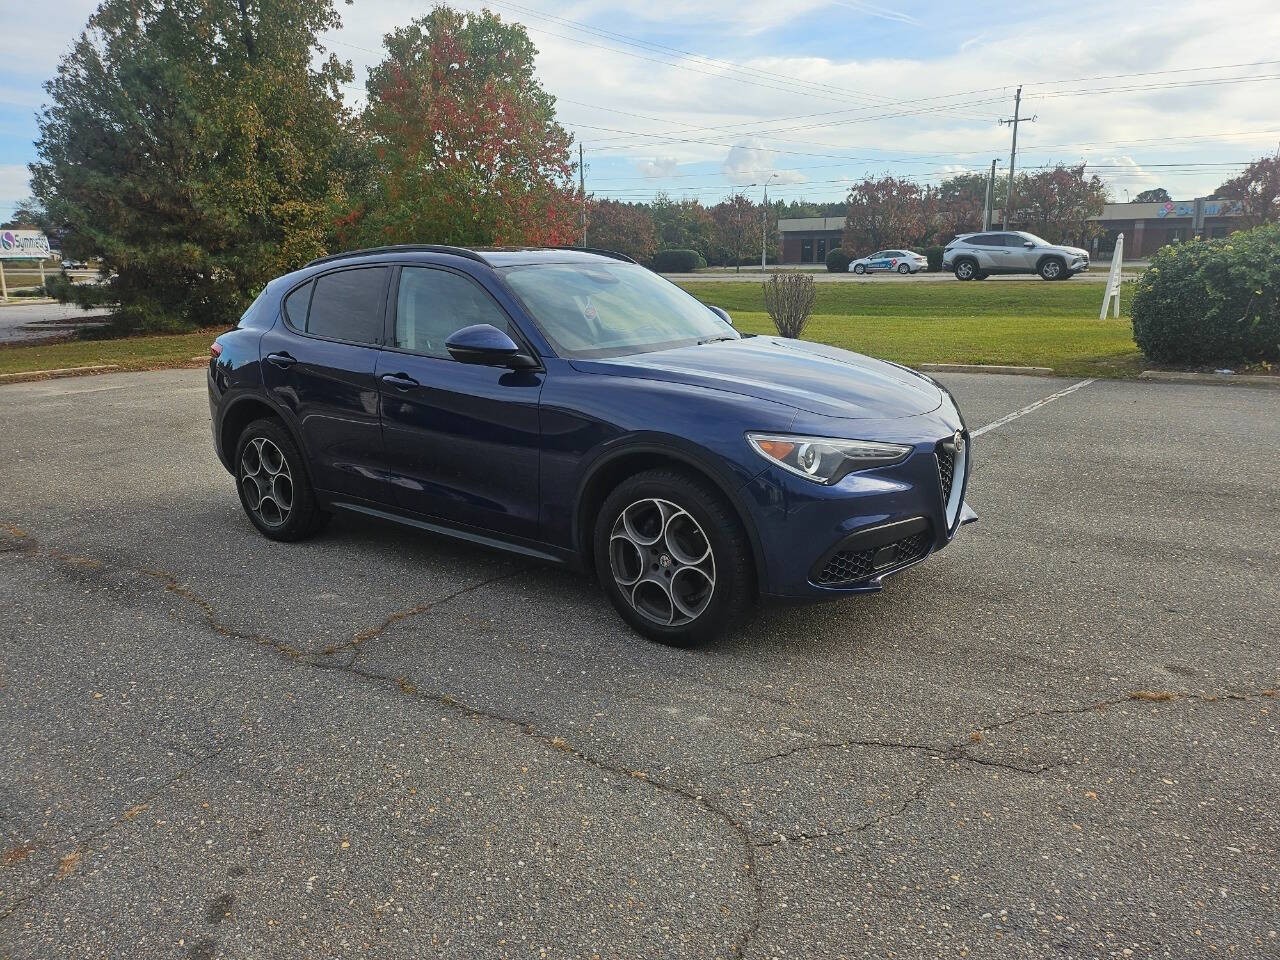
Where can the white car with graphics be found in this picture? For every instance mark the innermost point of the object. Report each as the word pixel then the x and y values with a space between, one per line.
pixel 897 261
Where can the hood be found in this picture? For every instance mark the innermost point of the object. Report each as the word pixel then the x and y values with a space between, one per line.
pixel 809 376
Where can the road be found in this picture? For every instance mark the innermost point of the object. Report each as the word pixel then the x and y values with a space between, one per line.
pixel 1090 276
pixel 15 315
pixel 1057 738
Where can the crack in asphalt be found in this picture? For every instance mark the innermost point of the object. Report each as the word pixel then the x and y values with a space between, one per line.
pixel 69 861
pixel 958 752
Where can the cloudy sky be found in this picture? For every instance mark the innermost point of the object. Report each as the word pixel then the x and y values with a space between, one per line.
pixel 699 97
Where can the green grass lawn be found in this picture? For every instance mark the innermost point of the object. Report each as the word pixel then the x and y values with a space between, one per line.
pixel 130 353
pixel 1027 324
pixel 1022 323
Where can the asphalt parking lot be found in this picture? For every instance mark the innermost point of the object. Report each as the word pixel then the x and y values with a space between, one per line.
pixel 1059 737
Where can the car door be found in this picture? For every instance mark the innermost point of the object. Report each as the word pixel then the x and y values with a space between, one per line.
pixel 875 261
pixel 462 439
pixel 993 255
pixel 318 365
pixel 1021 257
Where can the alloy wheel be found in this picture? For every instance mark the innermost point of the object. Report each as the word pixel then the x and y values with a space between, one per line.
pixel 267 482
pixel 662 562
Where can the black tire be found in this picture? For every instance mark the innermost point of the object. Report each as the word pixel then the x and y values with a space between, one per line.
pixel 1051 268
pixel 660 565
pixel 966 269
pixel 903 268
pixel 859 269
pixel 295 514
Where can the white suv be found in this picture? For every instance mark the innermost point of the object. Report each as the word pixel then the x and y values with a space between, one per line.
pixel 975 256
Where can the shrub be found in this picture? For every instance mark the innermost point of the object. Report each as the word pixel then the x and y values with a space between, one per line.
pixel 789 299
pixel 1212 302
pixel 678 261
pixel 934 256
pixel 838 261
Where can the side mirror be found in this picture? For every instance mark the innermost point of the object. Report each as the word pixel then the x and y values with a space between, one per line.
pixel 1028 243
pixel 485 344
pixel 722 314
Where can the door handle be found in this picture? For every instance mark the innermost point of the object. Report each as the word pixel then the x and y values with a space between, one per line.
pixel 401 381
pixel 281 359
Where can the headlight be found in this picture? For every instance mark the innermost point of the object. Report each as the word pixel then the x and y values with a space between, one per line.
pixel 825 459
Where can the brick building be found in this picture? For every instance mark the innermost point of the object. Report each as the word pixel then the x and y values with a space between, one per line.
pixel 809 239
pixel 1149 226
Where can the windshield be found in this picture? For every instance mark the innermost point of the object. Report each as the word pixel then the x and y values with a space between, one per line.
pixel 611 309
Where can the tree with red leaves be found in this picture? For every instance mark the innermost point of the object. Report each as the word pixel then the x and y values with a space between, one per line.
pixel 465 145
pixel 622 227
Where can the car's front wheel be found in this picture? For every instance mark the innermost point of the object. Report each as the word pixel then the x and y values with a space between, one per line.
pixel 859 269
pixel 672 556
pixel 274 489
pixel 1051 268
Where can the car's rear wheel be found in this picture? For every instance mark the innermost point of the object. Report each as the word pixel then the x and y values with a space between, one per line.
pixel 966 269
pixel 859 268
pixel 672 556
pixel 273 485
pixel 903 268
pixel 1051 268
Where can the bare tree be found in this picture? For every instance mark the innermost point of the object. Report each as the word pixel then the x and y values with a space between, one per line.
pixel 789 299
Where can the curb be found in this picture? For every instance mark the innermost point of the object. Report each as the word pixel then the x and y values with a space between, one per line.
pixel 984 368
pixel 58 372
pixel 1232 379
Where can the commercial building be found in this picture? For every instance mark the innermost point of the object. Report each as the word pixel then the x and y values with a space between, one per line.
pixel 809 239
pixel 1149 226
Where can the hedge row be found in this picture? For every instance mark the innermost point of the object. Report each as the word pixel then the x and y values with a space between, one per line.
pixel 1212 302
pixel 678 261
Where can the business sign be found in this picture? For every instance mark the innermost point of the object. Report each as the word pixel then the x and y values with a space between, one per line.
pixel 23 245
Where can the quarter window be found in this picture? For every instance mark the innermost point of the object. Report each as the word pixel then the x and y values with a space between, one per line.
pixel 348 305
pixel 295 306
pixel 432 305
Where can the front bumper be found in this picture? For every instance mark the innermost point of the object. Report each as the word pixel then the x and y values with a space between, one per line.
pixel 819 542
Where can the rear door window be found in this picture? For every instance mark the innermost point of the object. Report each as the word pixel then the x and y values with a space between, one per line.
pixel 349 305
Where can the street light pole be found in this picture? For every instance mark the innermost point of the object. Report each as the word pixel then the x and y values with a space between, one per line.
pixel 764 222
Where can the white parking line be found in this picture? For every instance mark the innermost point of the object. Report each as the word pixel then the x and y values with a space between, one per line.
pixel 1032 406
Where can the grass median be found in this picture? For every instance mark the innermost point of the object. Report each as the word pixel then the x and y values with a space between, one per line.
pixel 128 353
pixel 1030 323
pixel 1021 323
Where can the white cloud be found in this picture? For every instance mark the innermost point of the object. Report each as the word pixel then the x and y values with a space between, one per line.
pixel 658 166
pixel 15 186
pixel 747 161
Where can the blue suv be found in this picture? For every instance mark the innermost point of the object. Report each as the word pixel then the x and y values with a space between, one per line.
pixel 572 406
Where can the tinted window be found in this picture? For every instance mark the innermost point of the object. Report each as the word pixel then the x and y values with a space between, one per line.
pixel 348 305
pixel 1013 240
pixel 434 304
pixel 295 306
pixel 986 240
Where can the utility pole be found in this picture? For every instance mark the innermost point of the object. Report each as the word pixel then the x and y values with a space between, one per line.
pixel 582 189
pixel 764 222
pixel 1013 153
pixel 989 207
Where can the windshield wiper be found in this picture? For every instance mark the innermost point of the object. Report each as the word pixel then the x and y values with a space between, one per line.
pixel 714 339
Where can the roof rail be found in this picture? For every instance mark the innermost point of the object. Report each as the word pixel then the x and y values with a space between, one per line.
pixel 613 254
pixel 402 248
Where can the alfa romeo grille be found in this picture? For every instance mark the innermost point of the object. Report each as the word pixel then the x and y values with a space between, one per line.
pixel 946 470
pixel 850 566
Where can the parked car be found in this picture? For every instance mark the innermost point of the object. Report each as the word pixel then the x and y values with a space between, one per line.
pixel 574 407
pixel 900 261
pixel 975 256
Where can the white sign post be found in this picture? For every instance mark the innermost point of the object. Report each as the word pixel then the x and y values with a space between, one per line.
pixel 1113 281
pixel 21 245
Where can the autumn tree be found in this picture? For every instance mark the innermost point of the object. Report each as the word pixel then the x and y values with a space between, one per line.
pixel 884 213
pixel 1057 203
pixel 737 227
pixel 622 227
pixel 465 141
pixel 961 203
pixel 1257 190
pixel 1154 195
pixel 683 225
pixel 197 148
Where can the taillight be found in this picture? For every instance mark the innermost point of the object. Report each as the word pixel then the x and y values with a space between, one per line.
pixel 215 350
